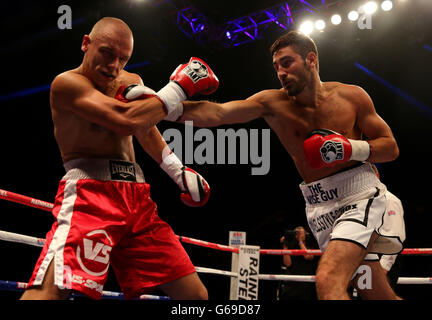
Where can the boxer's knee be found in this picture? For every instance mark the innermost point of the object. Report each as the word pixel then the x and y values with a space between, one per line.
pixel 330 284
pixel 196 292
pixel 189 287
pixel 47 290
pixel 201 293
pixel 39 293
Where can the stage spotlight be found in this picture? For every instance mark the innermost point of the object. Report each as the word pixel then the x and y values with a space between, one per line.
pixel 353 15
pixel 370 7
pixel 336 19
pixel 387 5
pixel 306 27
pixel 320 24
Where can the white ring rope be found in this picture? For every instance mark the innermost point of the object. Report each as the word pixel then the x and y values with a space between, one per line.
pixel 216 271
pixel 38 242
pixel 47 206
pixel 19 238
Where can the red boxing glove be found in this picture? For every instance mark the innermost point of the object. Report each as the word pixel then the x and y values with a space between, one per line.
pixel 195 77
pixel 325 148
pixel 187 80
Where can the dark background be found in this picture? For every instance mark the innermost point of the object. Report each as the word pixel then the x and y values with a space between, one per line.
pixel 33 51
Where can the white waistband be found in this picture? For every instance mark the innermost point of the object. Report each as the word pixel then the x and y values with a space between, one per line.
pixel 340 185
pixel 103 169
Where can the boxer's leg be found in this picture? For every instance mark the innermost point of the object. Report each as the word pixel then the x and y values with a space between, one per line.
pixel 48 290
pixel 380 288
pixel 337 265
pixel 189 287
pixel 152 256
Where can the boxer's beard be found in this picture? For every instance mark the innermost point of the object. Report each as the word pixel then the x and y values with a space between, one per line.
pixel 295 87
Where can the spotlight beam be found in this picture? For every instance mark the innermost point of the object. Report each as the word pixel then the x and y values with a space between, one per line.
pixel 410 99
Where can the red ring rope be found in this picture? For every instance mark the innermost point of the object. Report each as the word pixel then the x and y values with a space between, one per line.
pixel 27 201
pixel 39 204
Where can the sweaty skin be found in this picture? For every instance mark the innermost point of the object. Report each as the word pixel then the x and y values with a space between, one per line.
pixel 78 137
pixel 301 106
pixel 88 122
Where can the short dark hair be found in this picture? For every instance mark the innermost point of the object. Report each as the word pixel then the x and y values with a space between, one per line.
pixel 301 43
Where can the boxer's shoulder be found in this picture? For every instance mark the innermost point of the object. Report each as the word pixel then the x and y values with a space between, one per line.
pixel 343 90
pixel 69 80
pixel 358 98
pixel 265 100
pixel 268 97
pixel 72 81
pixel 349 95
pixel 126 78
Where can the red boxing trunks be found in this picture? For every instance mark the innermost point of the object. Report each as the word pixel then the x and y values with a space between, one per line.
pixel 104 215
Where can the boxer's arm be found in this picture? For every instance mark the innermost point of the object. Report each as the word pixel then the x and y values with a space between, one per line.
pixel 77 94
pixel 211 114
pixel 380 137
pixel 195 190
pixel 150 139
pixel 152 142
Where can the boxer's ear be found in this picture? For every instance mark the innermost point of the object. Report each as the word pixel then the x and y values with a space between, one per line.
pixel 312 59
pixel 84 45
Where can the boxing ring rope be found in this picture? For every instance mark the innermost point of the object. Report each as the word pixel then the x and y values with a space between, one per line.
pixel 20 286
pixel 39 242
pixel 27 201
pixel 43 205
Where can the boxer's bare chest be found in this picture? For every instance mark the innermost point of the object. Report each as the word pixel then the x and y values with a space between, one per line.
pixel 80 138
pixel 293 123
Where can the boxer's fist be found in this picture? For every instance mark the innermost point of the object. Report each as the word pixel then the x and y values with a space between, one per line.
pixel 196 190
pixel 325 148
pixel 186 81
pixel 195 77
pixel 134 92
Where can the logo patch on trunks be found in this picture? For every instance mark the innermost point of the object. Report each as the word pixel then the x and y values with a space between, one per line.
pixel 122 170
pixel 94 255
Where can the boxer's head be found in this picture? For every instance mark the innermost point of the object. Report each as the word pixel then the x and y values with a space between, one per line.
pixel 295 59
pixel 106 49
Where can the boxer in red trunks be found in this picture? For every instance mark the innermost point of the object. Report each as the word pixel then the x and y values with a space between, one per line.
pixel 103 210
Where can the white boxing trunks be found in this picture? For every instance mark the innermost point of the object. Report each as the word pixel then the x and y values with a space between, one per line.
pixel 350 206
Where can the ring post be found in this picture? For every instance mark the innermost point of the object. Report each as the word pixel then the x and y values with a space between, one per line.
pixel 248 272
pixel 236 239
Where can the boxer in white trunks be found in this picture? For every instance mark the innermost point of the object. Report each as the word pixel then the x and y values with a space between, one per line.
pixel 103 211
pixel 322 126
